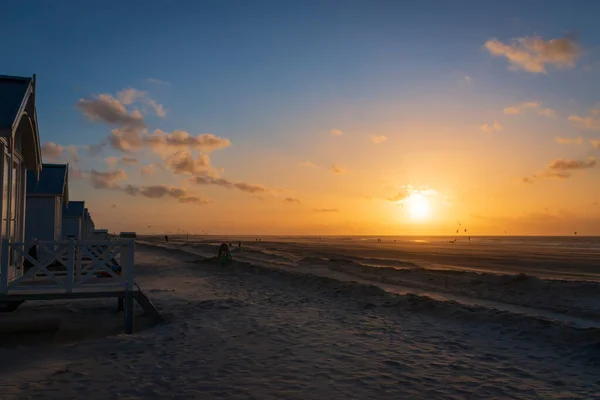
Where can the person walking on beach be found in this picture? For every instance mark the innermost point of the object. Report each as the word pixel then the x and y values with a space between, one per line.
pixel 166 239
pixel 224 256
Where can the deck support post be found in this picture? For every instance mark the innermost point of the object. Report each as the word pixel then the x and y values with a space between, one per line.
pixel 128 312
pixel 127 269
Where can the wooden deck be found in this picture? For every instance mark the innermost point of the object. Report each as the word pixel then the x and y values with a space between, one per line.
pixel 83 261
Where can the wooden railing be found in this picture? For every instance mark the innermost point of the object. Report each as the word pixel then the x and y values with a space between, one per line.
pixel 68 265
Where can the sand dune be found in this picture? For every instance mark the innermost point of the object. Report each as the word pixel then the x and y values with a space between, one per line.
pixel 257 331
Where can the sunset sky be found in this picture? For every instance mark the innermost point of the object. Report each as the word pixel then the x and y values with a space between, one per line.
pixel 319 117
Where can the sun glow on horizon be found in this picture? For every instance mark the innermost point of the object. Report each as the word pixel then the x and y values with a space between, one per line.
pixel 418 207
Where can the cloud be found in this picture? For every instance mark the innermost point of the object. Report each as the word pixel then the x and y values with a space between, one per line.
pixel 496 126
pixel 112 162
pixel 565 140
pixel 130 127
pixel 534 54
pixel 51 150
pixel 95 149
pixel 336 132
pixel 158 108
pixel 163 142
pixel 106 180
pixel 531 105
pixel 148 170
pixel 130 95
pixel 162 191
pixel 183 162
pixel 56 153
pixel 326 210
pixel 595 143
pixel 561 169
pixel 407 190
pixel 105 108
pixel 377 139
pixel 562 164
pixel 291 200
pixel 590 122
pixel 336 169
pixel 113 205
pixel 244 187
pixel 308 164
pixel 157 81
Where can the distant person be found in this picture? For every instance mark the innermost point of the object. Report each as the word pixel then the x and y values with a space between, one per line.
pixel 224 255
pixel 240 245
pixel 166 238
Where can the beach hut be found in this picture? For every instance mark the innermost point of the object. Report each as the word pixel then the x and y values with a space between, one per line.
pixel 72 223
pixel 20 152
pixel 46 198
pixel 88 225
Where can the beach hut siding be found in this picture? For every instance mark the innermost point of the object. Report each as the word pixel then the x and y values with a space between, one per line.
pixel 46 197
pixel 72 220
pixel 20 151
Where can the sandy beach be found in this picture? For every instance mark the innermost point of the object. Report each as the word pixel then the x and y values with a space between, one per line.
pixel 304 330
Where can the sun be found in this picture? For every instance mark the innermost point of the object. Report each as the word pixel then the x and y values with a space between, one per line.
pixel 418 206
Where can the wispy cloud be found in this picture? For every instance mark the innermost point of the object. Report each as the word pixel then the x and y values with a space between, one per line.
pixel 377 139
pixel 566 140
pixel 292 200
pixel 563 164
pixel 534 54
pixel 336 169
pixel 595 143
pixel 326 210
pixel 336 132
pixel 561 168
pixel 244 187
pixel 590 122
pixel 535 106
pixel 308 164
pixel 496 126
pixel 157 81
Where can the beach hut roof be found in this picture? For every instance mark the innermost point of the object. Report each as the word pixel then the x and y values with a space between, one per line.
pixel 53 181
pixel 74 209
pixel 18 115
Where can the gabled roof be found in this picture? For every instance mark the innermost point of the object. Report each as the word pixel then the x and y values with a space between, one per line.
pixel 18 115
pixel 74 209
pixel 53 181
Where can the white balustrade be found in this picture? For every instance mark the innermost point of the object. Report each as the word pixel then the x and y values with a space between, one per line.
pixel 69 266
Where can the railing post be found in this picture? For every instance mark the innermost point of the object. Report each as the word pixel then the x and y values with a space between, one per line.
pixel 70 278
pixel 129 264
pixel 4 266
pixel 127 269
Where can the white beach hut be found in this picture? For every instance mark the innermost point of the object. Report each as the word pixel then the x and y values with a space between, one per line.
pixel 72 220
pixel 46 198
pixel 20 152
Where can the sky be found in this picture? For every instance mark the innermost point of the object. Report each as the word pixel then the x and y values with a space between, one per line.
pixel 319 117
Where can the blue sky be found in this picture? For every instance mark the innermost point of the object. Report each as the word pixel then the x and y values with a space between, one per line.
pixel 274 77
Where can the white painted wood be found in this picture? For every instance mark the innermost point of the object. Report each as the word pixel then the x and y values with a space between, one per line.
pixel 74 266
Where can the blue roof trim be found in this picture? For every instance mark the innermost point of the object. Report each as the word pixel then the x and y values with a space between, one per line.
pixel 52 181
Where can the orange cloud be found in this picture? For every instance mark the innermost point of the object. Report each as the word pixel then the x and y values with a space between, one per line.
pixel 534 54
pixel 336 169
pixel 496 126
pixel 377 139
pixel 336 132
pixel 564 140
